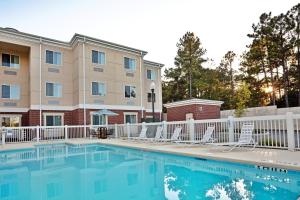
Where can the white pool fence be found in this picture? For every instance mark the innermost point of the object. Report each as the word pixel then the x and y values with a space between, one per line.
pixel 274 131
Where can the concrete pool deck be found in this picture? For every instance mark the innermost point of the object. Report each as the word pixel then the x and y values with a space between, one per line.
pixel 259 156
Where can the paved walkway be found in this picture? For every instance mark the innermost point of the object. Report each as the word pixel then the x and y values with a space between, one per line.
pixel 259 156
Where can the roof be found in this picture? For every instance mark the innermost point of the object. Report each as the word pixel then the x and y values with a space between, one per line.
pixel 76 38
pixel 153 64
pixel 194 101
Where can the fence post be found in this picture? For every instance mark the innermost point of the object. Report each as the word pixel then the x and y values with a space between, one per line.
pixel 192 129
pixel 2 136
pixel 290 131
pixel 37 133
pixel 116 131
pixel 128 130
pixel 231 128
pixel 165 129
pixel 66 132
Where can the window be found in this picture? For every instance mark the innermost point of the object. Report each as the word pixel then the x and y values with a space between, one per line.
pixel 98 57
pixel 150 97
pixel 53 90
pixel 10 92
pixel 10 121
pixel 130 118
pixel 151 74
pixel 53 57
pixel 129 63
pixel 53 119
pixel 98 89
pixel 98 119
pixel 10 61
pixel 130 91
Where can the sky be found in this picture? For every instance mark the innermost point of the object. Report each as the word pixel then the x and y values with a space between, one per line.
pixel 151 25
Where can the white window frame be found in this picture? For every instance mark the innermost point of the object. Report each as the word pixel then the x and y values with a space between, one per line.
pixel 11 115
pixel 91 117
pixel 130 92
pixel 152 72
pixel 54 51
pixel 53 114
pixel 99 64
pixel 10 86
pixel 105 89
pixel 129 70
pixel 53 93
pixel 131 113
pixel 11 54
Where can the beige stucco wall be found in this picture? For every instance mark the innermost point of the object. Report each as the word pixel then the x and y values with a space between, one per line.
pixel 71 77
pixel 22 74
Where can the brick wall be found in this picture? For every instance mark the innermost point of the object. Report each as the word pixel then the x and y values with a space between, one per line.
pixel 75 117
pixel 199 112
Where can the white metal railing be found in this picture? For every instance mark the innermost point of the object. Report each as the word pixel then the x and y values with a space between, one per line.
pixel 275 131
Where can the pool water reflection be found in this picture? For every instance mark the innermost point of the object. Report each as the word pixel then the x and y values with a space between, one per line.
pixel 88 172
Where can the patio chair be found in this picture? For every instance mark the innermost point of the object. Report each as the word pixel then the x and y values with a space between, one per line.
pixel 142 136
pixel 175 136
pixel 207 137
pixel 158 135
pixel 246 138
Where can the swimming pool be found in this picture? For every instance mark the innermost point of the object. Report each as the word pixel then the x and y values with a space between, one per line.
pixel 87 172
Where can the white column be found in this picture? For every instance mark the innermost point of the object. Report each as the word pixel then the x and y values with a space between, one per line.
pixel 116 131
pixel 290 131
pixel 192 129
pixel 40 82
pixel 128 130
pixel 37 133
pixel 2 136
pixel 231 128
pixel 66 132
pixel 165 129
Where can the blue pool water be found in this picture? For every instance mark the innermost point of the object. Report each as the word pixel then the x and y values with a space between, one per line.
pixel 68 172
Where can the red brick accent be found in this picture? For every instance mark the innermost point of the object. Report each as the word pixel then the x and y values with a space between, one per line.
pixel 199 112
pixel 75 117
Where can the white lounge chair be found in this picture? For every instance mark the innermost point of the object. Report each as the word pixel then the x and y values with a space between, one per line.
pixel 174 137
pixel 207 137
pixel 142 136
pixel 246 138
pixel 158 134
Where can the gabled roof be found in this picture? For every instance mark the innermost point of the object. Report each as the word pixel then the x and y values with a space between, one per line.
pixel 76 38
pixel 153 64
pixel 193 101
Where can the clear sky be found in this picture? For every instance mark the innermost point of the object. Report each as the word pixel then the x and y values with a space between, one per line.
pixel 153 25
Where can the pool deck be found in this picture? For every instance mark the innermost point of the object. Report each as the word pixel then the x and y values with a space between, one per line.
pixel 259 156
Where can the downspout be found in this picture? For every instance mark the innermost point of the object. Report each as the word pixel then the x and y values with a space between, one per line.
pixel 40 81
pixel 84 100
pixel 141 85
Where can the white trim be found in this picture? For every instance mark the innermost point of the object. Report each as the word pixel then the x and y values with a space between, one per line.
pixel 155 110
pixel 130 70
pixel 9 116
pixel 45 114
pixel 105 89
pixel 54 83
pixel 131 113
pixel 10 53
pixel 95 113
pixel 88 106
pixel 98 64
pixel 47 107
pixel 193 102
pixel 52 64
pixel 14 110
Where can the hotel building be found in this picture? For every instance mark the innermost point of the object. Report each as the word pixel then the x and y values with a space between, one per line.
pixel 49 82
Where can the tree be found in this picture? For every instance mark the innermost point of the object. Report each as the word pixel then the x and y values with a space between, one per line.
pixel 227 78
pixel 189 60
pixel 242 98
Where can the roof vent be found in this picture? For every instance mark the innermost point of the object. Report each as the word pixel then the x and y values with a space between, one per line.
pixel 11 29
